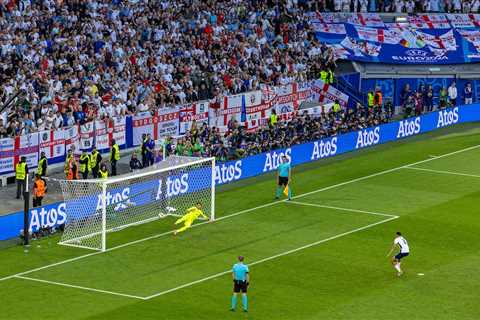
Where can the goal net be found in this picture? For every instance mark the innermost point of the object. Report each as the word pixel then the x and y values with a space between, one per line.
pixel 96 207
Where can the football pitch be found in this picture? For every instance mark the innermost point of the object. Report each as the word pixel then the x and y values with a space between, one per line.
pixel 320 256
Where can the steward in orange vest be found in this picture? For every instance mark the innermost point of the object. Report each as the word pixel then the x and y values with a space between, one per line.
pixel 72 169
pixel 38 191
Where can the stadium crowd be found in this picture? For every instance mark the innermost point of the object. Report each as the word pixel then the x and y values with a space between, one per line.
pixel 238 142
pixel 404 6
pixel 75 61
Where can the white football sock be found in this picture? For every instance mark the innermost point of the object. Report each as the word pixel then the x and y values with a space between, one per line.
pixel 397 266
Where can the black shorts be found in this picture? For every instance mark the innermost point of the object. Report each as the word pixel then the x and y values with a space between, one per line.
pixel 400 255
pixel 282 181
pixel 240 286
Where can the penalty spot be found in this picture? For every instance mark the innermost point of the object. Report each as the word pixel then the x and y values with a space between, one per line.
pixel 420 274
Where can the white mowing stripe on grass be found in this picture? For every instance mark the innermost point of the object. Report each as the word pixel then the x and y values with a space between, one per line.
pixel 445 172
pixel 342 209
pixel 316 243
pixel 245 211
pixel 80 287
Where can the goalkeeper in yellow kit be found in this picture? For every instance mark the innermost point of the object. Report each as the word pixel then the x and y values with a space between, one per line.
pixel 190 216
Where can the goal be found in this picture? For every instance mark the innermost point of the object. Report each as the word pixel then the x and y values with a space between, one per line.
pixel 96 207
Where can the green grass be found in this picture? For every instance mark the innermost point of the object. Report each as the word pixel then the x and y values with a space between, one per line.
pixel 346 277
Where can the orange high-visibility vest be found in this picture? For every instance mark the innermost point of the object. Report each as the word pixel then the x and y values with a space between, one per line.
pixel 39 188
pixel 72 174
pixel 380 98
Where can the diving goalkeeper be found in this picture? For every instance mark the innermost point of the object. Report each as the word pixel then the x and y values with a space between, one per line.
pixel 190 216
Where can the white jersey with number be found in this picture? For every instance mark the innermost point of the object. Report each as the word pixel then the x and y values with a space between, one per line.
pixel 402 243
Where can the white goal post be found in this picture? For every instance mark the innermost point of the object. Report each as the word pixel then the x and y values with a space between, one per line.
pixel 97 207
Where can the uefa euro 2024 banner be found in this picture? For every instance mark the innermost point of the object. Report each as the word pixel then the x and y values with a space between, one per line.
pixel 423 39
pixel 227 172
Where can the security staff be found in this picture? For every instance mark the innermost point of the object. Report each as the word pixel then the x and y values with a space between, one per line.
pixel 84 164
pixel 114 156
pixel 69 157
pixel 95 160
pixel 21 175
pixel 143 150
pixel 370 99
pixel 273 118
pixel 330 76
pixel 38 191
pixel 42 165
pixel 336 107
pixel 72 169
pixel 378 98
pixel 324 76
pixel 103 172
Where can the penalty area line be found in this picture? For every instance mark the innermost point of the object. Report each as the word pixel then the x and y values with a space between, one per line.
pixel 342 209
pixel 313 244
pixel 80 287
pixel 444 172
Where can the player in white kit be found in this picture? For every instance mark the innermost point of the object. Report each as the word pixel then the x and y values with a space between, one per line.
pixel 402 244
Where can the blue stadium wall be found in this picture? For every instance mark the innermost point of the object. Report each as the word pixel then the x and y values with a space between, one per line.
pixel 392 88
pixel 55 214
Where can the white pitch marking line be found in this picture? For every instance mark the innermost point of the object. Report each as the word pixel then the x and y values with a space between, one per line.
pixel 244 211
pixel 445 172
pixel 272 257
pixel 80 287
pixel 342 209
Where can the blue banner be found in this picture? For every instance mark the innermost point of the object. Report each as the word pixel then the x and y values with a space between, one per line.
pixel 194 180
pixel 397 45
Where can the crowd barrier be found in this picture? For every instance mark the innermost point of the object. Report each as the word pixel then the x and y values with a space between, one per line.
pixel 226 172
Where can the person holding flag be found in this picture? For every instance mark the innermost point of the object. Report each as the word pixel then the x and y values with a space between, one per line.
pixel 284 175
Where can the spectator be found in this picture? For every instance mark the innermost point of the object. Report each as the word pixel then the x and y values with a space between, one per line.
pixel 409 106
pixel 135 163
pixel 149 151
pixel 443 98
pixel 452 94
pixel 404 94
pixel 428 98
pixel 3 130
pixel 468 93
pixel 418 100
